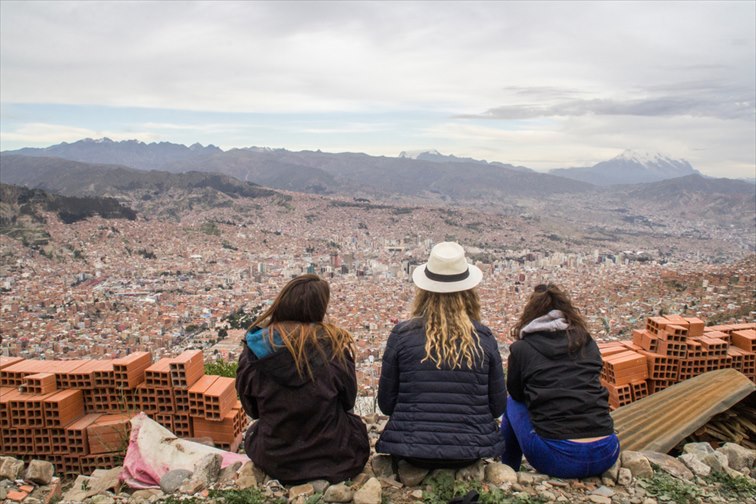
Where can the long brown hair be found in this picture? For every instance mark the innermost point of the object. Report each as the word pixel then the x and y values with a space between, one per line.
pixel 297 315
pixel 547 297
pixel 450 336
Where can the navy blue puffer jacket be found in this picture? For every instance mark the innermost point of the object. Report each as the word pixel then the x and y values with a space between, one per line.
pixel 440 413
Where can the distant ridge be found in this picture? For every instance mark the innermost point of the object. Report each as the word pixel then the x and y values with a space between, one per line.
pixel 131 153
pixel 73 178
pixel 436 157
pixel 630 167
pixel 435 176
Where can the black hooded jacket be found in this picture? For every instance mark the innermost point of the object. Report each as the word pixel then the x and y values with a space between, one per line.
pixel 305 431
pixel 561 390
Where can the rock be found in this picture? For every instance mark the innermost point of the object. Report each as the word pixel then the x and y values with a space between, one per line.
pixel 391 482
pixel 48 493
pixel 145 496
pixel 370 493
pixel 624 476
pixel 32 500
pixel 649 500
pixel 416 494
pixel 613 472
pixel 382 466
pixel 604 491
pixel 738 457
pixel 229 474
pixel 319 485
pixel 497 474
pixel 79 490
pixel 338 493
pixel 207 469
pixel 473 472
pixel 695 465
pixel 528 478
pixel 301 491
pixel 3 493
pixel 599 499
pixel 669 464
pixel 549 496
pixel 246 477
pixel 371 418
pixel 439 473
pixel 360 479
pixel 702 448
pixel 103 499
pixel 192 486
pixel 39 472
pixel 411 475
pixel 11 468
pixel 639 465
pixel 172 480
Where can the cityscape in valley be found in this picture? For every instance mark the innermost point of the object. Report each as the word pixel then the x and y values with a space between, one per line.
pixel 99 261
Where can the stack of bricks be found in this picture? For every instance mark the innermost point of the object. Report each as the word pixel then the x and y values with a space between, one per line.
pixel 77 414
pixel 671 349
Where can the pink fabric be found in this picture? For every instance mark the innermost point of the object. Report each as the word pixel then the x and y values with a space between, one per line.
pixel 154 450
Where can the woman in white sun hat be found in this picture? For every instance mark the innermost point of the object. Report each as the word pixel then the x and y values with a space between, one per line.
pixel 442 379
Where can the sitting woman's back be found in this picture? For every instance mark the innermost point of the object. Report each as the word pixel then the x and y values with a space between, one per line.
pixel 442 379
pixel 297 376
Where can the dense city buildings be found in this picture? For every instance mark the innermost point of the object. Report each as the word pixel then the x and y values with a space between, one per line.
pixel 104 288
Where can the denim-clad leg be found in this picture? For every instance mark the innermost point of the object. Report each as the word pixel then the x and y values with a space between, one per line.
pixel 556 457
pixel 517 429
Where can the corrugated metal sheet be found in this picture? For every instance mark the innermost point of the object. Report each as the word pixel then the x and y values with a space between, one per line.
pixel 660 421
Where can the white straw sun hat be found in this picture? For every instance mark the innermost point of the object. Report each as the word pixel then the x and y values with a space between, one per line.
pixel 447 270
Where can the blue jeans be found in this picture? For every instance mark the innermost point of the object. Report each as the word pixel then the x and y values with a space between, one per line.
pixel 560 458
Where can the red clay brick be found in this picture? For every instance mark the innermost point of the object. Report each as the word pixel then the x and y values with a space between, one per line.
pixel 187 368
pixel 158 375
pixel 196 394
pixel 219 398
pixel 108 433
pixel 744 339
pixel 695 326
pixel 130 371
pixel 40 383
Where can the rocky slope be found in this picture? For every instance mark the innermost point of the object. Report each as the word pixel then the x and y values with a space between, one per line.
pixel 699 475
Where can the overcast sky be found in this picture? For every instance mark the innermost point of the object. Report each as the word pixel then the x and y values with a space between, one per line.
pixel 539 84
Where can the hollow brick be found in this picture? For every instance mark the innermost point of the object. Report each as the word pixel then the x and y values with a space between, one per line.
pixel 129 371
pixel 187 368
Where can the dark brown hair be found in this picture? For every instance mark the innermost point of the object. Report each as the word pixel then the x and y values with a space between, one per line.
pixel 547 297
pixel 297 315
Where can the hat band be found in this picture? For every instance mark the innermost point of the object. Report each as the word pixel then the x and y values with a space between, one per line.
pixel 447 278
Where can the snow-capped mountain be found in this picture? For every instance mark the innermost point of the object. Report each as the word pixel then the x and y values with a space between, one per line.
pixel 630 167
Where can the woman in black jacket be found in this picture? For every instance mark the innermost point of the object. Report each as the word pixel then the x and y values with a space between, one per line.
pixel 557 411
pixel 442 379
pixel 296 376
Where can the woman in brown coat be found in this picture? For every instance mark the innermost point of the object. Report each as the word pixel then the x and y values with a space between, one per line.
pixel 297 377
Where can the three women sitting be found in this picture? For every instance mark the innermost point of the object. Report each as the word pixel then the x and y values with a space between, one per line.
pixel 442 383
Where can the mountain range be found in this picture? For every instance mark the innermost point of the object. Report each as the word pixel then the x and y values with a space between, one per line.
pixel 426 173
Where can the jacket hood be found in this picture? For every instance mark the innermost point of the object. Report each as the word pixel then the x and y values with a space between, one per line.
pixel 547 334
pixel 281 367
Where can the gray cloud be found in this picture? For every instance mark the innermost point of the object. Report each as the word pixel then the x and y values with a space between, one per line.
pixel 727 107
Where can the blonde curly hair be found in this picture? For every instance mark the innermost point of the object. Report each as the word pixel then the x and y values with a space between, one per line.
pixel 450 337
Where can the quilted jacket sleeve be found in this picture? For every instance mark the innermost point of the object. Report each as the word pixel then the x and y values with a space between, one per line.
pixel 388 386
